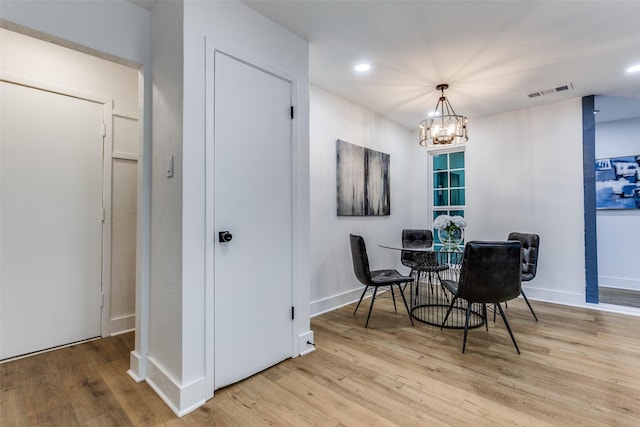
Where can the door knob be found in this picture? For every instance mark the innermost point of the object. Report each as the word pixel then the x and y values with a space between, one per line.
pixel 224 236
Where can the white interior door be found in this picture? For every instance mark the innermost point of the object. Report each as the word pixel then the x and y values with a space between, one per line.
pixel 51 219
pixel 253 201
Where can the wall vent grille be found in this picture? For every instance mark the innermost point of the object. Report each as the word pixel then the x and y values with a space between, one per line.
pixel 561 88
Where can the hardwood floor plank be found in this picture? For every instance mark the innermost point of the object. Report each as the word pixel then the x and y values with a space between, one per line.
pixel 577 367
pixel 331 403
pixel 142 406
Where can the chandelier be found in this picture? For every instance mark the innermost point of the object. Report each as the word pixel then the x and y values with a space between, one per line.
pixel 444 126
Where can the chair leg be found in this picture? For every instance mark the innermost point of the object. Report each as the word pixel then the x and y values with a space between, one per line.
pixel 446 316
pixel 466 326
pixel 405 304
pixel 361 296
pixel 416 298
pixel 530 308
pixel 430 280
pixel 393 296
pixel 484 316
pixel 444 290
pixel 508 328
pixel 373 299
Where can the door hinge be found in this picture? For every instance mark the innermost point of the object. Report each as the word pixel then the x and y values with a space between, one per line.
pixel 104 129
pixel 292 112
pixel 293 313
pixel 102 214
pixel 101 299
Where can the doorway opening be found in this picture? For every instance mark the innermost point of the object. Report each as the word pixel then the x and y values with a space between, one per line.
pixel 109 93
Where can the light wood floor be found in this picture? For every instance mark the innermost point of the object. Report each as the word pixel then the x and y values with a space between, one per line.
pixel 578 367
pixel 619 297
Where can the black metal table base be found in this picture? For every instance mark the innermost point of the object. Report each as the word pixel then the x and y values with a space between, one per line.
pixel 434 315
pixel 430 301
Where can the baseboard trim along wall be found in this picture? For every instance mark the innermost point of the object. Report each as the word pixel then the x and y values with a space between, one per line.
pixel 619 283
pixel 325 305
pixel 182 399
pixel 122 324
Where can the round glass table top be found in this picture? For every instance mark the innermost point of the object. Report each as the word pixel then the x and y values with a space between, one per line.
pixel 417 246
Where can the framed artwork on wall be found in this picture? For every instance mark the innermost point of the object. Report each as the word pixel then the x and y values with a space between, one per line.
pixel 618 182
pixel 362 181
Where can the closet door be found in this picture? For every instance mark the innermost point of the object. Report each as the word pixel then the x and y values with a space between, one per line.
pixel 51 149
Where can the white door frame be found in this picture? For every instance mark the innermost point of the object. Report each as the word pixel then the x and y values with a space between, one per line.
pixel 107 151
pixel 210 232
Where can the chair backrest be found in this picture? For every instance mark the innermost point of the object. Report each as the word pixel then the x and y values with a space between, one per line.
pixel 490 271
pixel 414 236
pixel 529 257
pixel 360 259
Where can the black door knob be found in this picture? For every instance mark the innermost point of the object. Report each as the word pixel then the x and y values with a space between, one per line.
pixel 224 236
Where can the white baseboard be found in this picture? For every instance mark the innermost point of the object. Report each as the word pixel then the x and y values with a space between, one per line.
pixel 554 296
pixel 306 344
pixel 336 301
pixel 137 366
pixel 619 283
pixel 575 300
pixel 182 399
pixel 122 324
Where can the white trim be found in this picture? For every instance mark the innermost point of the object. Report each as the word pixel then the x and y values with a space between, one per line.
pixel 125 115
pixel 619 283
pixel 430 207
pixel 182 399
pixel 306 343
pixel 107 179
pixel 122 324
pixel 49 87
pixel 209 251
pixel 137 366
pixel 571 299
pixel 334 302
pixel 124 156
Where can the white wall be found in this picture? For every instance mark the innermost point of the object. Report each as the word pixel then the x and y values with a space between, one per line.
pixel 165 323
pixel 524 173
pixel 333 282
pixel 181 293
pixel 618 229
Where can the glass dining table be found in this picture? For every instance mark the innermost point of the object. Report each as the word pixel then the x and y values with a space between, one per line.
pixel 430 300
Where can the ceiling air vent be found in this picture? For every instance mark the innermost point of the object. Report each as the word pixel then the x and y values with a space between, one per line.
pixel 561 88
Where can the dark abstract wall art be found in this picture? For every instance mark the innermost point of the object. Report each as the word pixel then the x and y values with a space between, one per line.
pixel 362 181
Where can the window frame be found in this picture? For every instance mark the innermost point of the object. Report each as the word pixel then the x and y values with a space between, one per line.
pixel 431 209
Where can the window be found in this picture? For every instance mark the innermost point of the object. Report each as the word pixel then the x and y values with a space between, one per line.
pixel 448 186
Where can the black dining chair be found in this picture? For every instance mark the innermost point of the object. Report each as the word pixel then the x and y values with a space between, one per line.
pixel 376 278
pixel 529 258
pixel 489 274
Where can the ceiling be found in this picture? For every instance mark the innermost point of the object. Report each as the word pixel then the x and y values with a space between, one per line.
pixel 491 53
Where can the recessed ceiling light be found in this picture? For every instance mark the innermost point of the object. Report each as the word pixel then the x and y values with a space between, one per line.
pixel 633 69
pixel 361 68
